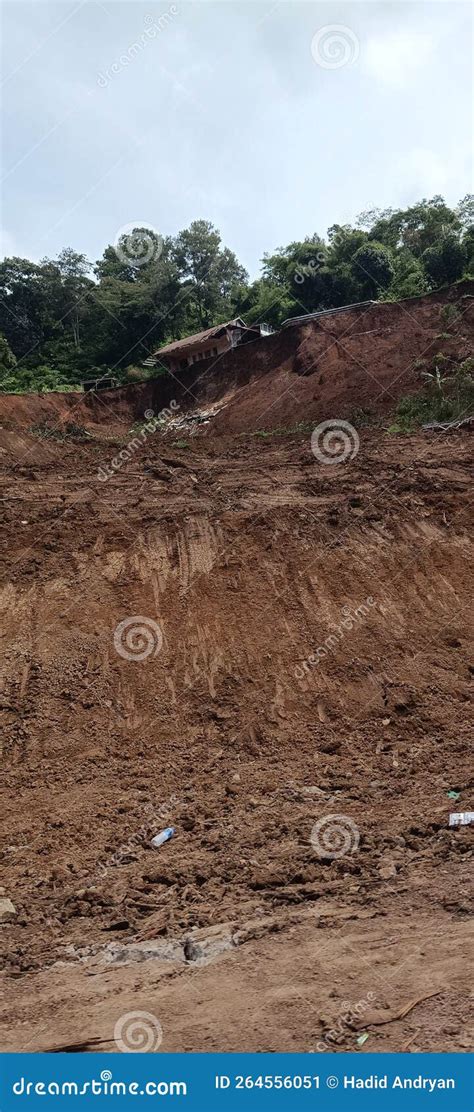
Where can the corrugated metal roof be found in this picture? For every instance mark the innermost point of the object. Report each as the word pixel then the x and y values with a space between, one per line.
pixel 327 312
pixel 199 337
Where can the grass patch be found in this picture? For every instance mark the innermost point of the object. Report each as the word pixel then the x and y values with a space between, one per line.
pixel 363 419
pixel 69 431
pixel 444 398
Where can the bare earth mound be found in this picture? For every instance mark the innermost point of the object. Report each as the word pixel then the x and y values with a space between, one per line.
pixel 296 706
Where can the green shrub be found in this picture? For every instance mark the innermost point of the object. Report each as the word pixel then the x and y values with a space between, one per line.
pixel 445 398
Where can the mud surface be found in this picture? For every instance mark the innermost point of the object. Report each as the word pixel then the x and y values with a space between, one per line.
pixel 308 662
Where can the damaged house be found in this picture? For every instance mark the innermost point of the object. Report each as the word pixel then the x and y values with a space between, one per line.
pixel 206 345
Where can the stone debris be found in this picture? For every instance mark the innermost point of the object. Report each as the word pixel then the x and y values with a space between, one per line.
pixel 7 909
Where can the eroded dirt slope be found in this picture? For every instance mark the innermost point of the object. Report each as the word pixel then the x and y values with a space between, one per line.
pixel 335 366
pixel 252 558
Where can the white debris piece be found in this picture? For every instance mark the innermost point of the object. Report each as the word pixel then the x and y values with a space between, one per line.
pixel 461 818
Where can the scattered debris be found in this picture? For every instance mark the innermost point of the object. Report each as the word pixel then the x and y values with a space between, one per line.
pixel 454 795
pixel 387 868
pixel 461 818
pixel 163 836
pixel 7 909
pixel 379 1019
pixel 445 426
pixel 361 1039
pixel 206 943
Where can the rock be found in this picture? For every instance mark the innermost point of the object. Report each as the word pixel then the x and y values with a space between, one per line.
pixel 330 746
pixel 387 868
pixel 7 909
pixel 156 949
pixel 207 942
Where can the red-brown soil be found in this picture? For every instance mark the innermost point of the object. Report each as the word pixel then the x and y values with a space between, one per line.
pixel 249 554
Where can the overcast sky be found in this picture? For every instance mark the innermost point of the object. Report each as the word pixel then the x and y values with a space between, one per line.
pixel 272 120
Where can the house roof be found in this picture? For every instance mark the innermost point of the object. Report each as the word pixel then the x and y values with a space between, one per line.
pixel 199 337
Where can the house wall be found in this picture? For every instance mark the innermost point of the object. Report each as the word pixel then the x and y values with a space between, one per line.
pixel 213 347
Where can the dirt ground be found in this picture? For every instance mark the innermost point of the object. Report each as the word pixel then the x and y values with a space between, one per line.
pixel 295 703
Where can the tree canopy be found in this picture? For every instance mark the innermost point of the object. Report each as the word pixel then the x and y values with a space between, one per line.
pixel 65 319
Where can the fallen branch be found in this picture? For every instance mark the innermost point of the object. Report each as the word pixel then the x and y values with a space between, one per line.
pixel 379 1020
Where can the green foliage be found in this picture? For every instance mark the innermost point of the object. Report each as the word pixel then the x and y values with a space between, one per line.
pixel 373 267
pixel 445 261
pixel 363 418
pixel 446 397
pixel 7 365
pixel 69 431
pixel 64 320
pixel 210 273
pixel 449 314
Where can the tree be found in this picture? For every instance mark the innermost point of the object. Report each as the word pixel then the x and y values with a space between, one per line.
pixel 343 241
pixel 7 365
pixel 445 261
pixel 465 211
pixel 265 301
pixel 209 272
pixel 62 325
pixel 417 227
pixel 135 253
pixel 409 279
pixel 373 268
pixel 73 269
pixel 28 293
pixel 468 247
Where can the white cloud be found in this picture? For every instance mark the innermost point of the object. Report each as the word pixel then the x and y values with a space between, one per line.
pixel 394 59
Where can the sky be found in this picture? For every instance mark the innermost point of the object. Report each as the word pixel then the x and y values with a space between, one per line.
pixel 272 120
